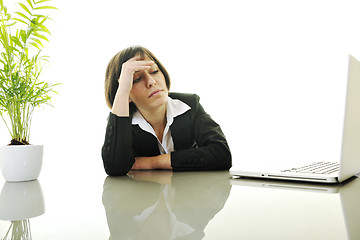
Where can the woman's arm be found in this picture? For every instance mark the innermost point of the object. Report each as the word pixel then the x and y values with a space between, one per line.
pixel 117 151
pixel 211 152
pixel 162 161
pixel 121 102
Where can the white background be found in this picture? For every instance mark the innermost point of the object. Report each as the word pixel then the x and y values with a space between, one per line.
pixel 271 73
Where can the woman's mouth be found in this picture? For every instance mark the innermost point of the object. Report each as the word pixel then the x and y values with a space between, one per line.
pixel 154 93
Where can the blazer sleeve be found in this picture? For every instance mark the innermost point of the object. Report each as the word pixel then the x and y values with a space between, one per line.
pixel 117 151
pixel 210 150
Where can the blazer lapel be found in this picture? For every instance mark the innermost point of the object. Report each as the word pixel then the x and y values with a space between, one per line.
pixel 181 131
pixel 145 143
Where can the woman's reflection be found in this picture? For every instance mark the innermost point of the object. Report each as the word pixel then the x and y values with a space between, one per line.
pixel 163 204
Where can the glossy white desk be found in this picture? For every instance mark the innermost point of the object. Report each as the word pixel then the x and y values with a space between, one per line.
pixel 184 205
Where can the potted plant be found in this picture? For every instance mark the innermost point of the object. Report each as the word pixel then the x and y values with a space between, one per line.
pixel 22 35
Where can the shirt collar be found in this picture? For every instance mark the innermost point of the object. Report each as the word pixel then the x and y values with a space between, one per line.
pixel 174 108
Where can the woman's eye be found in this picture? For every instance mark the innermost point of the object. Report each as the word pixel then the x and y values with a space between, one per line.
pixel 137 80
pixel 155 72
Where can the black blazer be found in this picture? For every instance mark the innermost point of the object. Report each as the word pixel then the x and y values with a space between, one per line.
pixel 198 141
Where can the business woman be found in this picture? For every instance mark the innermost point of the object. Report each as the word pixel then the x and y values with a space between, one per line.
pixel 151 128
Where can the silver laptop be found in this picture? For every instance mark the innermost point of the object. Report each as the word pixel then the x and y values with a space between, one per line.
pixel 326 172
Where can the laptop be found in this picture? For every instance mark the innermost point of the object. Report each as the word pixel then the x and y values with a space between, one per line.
pixel 325 172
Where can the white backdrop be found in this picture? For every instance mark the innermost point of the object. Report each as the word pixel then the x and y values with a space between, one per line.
pixel 271 73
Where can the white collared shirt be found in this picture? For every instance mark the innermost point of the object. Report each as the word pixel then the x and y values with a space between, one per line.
pixel 174 108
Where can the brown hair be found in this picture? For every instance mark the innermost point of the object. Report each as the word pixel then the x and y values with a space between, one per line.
pixel 113 71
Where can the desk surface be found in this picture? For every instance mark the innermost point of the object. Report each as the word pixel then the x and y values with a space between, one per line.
pixel 183 205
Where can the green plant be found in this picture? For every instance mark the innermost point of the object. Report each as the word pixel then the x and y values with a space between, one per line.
pixel 21 63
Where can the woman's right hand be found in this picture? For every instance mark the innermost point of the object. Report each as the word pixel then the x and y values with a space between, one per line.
pixel 122 97
pixel 128 69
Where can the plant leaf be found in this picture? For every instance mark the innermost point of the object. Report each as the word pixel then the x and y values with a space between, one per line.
pixel 25 8
pixel 45 7
pixel 41 1
pixel 44 29
pixel 17 19
pixel 23 15
pixel 23 36
pixel 40 36
pixel 16 41
pixel 29 2
pixel 38 41
pixel 35 45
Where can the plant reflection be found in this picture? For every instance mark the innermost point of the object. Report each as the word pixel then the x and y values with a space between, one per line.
pixel 19 230
pixel 162 204
pixel 19 202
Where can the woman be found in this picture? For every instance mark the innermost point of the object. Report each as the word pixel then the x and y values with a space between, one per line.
pixel 150 128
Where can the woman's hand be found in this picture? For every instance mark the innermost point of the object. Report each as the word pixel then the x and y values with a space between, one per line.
pixel 121 101
pixel 127 72
pixel 158 162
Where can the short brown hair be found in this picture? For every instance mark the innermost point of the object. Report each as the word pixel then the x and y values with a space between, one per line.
pixel 113 70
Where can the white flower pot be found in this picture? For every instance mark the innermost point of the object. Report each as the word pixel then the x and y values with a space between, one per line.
pixel 21 163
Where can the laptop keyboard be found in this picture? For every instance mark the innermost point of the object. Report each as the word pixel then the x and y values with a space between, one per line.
pixel 316 167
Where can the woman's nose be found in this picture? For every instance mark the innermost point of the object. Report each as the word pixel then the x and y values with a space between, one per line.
pixel 150 81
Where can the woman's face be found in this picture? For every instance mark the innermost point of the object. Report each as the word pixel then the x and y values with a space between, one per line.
pixel 149 89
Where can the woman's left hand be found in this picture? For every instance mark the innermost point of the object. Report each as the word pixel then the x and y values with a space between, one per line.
pixel 158 162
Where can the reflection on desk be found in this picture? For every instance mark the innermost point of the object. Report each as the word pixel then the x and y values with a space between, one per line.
pixel 291 210
pixel 20 201
pixel 178 205
pixel 162 205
